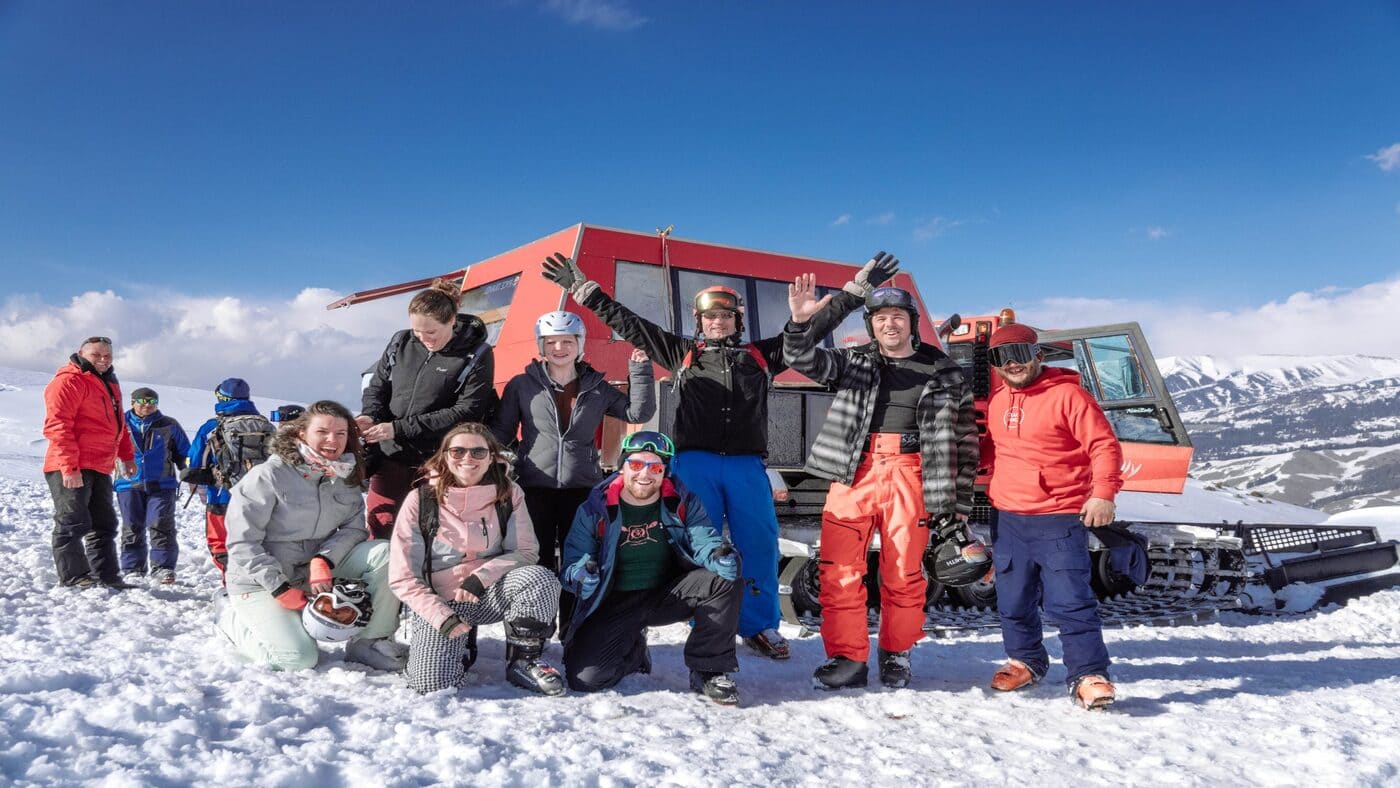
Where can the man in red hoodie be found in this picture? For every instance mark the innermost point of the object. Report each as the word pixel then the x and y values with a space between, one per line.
pixel 1056 471
pixel 87 434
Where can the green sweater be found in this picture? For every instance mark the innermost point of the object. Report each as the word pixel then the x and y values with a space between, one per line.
pixel 645 559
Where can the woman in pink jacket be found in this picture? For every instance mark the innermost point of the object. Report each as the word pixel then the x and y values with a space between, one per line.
pixel 463 554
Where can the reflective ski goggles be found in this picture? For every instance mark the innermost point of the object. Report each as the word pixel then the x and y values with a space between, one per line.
pixel 1012 353
pixel 649 440
pixel 650 466
pixel 144 401
pixel 726 299
pixel 476 452
pixel 882 297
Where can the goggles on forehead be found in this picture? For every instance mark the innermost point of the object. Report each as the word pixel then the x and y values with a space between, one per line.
pixel 719 298
pixel 882 297
pixel 1012 353
pixel 649 440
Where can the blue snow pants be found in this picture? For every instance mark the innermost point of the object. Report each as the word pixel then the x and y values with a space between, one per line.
pixel 144 511
pixel 1043 560
pixel 735 490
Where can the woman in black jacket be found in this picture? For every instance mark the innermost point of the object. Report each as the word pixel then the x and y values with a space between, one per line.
pixel 435 374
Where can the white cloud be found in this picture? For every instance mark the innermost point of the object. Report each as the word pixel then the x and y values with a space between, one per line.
pixel 1157 233
pixel 1327 321
pixel 841 220
pixel 293 349
pixel 883 220
pixel 1388 159
pixel 600 14
pixel 928 229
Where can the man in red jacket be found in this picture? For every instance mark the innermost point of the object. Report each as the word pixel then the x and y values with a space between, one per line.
pixel 1057 469
pixel 87 434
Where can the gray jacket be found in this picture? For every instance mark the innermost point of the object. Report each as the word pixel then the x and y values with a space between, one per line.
pixel 547 459
pixel 279 519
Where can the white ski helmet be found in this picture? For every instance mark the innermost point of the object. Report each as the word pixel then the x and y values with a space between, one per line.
pixel 560 322
pixel 339 614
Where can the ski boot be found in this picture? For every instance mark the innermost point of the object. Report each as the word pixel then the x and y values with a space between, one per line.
pixel 840 673
pixel 1014 675
pixel 718 687
pixel 1092 692
pixel 895 671
pixel 525 639
pixel 769 643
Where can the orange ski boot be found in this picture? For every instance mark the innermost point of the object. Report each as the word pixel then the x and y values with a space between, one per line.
pixel 1092 692
pixel 1013 676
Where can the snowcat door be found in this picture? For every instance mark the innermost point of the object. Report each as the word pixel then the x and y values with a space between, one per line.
pixel 1117 367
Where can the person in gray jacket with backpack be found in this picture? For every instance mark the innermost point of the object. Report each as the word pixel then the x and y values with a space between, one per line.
pixel 295 524
pixel 557 404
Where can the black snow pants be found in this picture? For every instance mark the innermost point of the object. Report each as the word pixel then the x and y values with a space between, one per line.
pixel 84 528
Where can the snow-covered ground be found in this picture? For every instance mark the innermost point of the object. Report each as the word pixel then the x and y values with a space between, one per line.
pixel 135 688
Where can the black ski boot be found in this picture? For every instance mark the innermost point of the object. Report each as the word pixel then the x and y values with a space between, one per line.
pixel 840 673
pixel 718 687
pixel 895 672
pixel 525 638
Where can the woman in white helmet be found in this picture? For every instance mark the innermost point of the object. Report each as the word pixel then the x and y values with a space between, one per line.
pixel 295 530
pixel 556 406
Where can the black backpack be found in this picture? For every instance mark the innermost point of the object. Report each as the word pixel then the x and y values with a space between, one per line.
pixel 235 445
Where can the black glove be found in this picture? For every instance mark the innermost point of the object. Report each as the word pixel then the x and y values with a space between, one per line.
pixel 881 269
pixel 565 272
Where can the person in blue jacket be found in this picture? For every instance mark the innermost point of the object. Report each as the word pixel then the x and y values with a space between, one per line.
pixel 642 552
pixel 233 403
pixel 147 497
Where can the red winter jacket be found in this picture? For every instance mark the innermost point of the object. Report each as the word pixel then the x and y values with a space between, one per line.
pixel 83 420
pixel 1053 449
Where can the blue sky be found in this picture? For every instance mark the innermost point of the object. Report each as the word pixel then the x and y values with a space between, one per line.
pixel 1219 156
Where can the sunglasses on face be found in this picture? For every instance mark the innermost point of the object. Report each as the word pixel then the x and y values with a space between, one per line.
pixel 650 466
pixel 1012 353
pixel 476 452
pixel 144 400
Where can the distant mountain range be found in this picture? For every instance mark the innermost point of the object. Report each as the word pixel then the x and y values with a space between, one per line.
pixel 1317 431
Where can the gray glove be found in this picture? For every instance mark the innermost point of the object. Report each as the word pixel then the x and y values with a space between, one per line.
pixel 881 269
pixel 565 272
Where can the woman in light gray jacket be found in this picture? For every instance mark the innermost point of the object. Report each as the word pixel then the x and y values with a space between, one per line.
pixel 557 404
pixel 295 523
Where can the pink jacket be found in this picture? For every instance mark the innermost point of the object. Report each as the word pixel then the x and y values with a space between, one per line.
pixel 468 544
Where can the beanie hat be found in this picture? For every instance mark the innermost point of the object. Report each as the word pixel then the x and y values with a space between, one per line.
pixel 144 393
pixel 1015 332
pixel 233 388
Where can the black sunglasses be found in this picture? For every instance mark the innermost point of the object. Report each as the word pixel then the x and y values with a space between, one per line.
pixel 477 452
pixel 1012 353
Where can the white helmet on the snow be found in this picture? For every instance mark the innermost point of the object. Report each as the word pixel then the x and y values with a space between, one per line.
pixel 560 322
pixel 339 614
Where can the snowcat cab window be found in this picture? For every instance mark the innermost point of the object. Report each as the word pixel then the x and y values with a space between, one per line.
pixel 852 331
pixel 1116 368
pixel 491 303
pixel 643 289
pixel 770 312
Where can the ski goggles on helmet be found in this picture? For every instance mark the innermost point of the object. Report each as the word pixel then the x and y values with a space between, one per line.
pixel 649 440
pixel 882 297
pixel 718 298
pixel 1012 353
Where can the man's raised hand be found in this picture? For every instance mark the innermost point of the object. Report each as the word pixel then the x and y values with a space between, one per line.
pixel 880 269
pixel 802 298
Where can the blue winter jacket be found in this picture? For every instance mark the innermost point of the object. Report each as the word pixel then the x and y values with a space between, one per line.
pixel 597 529
pixel 215 496
pixel 161 446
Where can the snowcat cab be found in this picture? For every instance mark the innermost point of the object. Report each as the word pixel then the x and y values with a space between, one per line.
pixel 1195 569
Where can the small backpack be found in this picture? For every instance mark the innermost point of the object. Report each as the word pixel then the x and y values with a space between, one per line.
pixel 236 444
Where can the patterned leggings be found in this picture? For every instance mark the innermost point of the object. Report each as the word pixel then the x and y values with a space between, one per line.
pixel 435 661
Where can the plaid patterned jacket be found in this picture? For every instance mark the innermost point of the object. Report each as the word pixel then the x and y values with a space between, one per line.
pixel 947 423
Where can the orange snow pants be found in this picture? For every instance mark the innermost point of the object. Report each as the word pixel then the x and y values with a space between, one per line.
pixel 886 496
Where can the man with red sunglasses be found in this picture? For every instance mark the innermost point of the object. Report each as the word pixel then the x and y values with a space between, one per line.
pixel 1056 471
pixel 642 552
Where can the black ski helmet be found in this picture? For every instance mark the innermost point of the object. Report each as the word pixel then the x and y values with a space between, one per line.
pixel 958 559
pixel 882 297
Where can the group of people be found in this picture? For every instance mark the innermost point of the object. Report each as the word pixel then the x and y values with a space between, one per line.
pixel 471 508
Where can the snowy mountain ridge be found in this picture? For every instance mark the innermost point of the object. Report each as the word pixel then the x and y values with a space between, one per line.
pixel 1317 431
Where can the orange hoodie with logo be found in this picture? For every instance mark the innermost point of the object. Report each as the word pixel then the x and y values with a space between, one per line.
pixel 1052 447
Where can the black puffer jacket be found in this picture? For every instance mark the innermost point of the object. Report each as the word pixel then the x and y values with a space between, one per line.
pixel 425 394
pixel 724 392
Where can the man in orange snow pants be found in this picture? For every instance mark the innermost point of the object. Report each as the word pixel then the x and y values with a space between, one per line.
pixel 900 447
